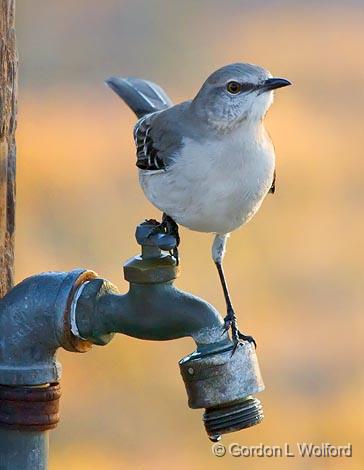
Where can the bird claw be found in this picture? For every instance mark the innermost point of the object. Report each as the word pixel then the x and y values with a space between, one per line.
pixel 241 340
pixel 248 338
pixel 237 337
pixel 235 347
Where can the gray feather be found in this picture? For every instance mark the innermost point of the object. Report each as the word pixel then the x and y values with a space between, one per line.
pixel 159 137
pixel 142 96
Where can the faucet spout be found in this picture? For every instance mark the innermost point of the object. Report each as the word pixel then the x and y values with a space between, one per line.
pixel 148 311
pixel 153 309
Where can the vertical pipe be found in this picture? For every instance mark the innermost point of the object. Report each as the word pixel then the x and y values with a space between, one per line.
pixel 26 415
pixel 23 450
pixel 8 95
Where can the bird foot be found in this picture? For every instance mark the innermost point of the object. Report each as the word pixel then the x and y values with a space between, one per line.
pixel 230 323
pixel 169 227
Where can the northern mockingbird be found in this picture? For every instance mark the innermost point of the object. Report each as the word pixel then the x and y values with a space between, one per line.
pixel 206 163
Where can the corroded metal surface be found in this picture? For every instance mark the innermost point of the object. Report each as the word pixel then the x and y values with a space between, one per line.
pixel 33 317
pixel 29 408
pixel 221 377
pixel 222 382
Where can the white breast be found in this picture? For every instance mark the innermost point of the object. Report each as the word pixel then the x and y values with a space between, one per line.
pixel 216 186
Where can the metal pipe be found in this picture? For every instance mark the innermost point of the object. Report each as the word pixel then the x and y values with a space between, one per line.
pixel 33 325
pixel 21 450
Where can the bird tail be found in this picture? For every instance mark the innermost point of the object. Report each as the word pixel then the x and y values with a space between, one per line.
pixel 142 96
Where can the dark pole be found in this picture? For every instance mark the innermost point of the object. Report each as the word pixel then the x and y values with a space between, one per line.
pixel 8 96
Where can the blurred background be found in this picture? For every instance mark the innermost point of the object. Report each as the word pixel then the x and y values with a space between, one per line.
pixel 295 271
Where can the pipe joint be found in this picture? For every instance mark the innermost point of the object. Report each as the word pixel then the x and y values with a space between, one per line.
pixel 35 319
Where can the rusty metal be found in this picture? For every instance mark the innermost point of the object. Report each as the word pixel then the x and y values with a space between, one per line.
pixel 29 408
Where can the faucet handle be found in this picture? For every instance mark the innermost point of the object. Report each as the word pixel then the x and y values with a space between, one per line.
pixel 152 266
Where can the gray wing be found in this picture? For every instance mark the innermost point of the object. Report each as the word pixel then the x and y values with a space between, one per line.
pixel 158 139
pixel 147 152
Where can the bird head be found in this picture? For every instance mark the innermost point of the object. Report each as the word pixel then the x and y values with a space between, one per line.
pixel 236 93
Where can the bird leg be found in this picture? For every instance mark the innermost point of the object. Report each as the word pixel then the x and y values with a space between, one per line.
pixel 168 226
pixel 230 321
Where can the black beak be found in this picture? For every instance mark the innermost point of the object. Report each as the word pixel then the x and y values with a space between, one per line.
pixel 273 84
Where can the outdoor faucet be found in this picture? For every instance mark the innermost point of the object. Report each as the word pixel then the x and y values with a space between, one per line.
pixel 78 309
pixel 216 378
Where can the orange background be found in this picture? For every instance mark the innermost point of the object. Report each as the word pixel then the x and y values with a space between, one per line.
pixel 295 271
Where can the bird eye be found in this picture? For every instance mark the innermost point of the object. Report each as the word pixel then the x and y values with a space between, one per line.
pixel 233 87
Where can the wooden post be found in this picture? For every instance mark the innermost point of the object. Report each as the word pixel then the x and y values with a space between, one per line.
pixel 8 96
